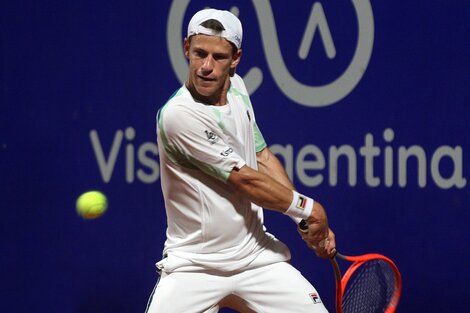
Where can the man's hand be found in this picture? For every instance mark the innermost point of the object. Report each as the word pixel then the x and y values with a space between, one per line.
pixel 319 236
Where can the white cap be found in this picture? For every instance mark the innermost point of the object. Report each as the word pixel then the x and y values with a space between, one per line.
pixel 233 27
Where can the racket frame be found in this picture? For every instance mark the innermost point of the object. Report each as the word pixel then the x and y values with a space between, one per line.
pixel 357 261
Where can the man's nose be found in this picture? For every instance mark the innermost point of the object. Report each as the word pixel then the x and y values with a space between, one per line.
pixel 208 64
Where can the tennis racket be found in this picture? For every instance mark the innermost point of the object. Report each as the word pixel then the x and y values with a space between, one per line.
pixel 371 284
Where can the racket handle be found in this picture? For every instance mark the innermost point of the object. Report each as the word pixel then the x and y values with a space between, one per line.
pixel 339 291
pixel 303 226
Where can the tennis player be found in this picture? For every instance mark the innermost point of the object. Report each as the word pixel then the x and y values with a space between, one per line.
pixel 217 173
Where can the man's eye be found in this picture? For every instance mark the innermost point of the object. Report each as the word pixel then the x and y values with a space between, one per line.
pixel 220 57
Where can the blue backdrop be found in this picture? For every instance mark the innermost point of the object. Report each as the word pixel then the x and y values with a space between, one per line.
pixel 365 103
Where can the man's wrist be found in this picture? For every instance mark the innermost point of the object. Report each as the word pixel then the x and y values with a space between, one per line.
pixel 301 206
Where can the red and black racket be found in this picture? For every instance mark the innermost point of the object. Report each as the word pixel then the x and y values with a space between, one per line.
pixel 372 284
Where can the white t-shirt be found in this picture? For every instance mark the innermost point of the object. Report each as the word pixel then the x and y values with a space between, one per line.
pixel 211 225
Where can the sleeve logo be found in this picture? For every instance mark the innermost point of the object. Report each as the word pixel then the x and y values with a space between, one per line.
pixel 226 152
pixel 211 137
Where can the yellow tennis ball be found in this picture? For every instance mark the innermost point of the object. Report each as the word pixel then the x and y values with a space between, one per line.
pixel 92 204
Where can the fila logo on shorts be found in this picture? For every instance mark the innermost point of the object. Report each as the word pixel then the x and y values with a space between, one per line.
pixel 315 298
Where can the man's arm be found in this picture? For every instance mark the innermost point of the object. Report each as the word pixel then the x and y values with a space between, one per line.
pixel 261 189
pixel 271 188
pixel 270 165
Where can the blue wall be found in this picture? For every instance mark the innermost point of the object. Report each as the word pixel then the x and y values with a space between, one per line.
pixel 370 116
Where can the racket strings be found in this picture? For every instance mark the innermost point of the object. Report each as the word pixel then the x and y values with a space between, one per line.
pixel 370 289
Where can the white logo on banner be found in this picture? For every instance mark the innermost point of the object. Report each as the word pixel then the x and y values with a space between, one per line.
pixel 311 96
pixel 400 165
pixel 311 165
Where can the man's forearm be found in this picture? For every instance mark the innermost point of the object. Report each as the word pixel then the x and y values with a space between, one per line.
pixel 270 165
pixel 261 189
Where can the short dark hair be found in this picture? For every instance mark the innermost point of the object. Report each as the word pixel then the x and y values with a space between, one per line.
pixel 218 27
pixel 213 24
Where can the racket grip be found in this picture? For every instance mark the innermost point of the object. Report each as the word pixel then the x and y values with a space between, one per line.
pixel 303 226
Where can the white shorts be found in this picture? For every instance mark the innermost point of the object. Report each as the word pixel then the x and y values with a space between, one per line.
pixel 275 288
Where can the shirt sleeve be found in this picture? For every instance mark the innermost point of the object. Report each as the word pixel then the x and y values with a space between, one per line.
pixel 260 143
pixel 193 140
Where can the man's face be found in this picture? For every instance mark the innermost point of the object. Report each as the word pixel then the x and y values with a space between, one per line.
pixel 210 60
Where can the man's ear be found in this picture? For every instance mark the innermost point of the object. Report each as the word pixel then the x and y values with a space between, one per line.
pixel 235 61
pixel 186 48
